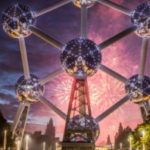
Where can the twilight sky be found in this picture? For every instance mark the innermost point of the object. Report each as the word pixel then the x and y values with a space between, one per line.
pixel 64 25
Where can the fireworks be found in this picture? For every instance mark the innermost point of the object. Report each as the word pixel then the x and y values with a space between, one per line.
pixel 104 91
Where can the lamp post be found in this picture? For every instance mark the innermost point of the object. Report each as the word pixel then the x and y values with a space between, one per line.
pixel 44 146
pixel 143 134
pixel 18 144
pixel 5 139
pixel 57 145
pixel 27 142
pixel 120 146
pixel 130 140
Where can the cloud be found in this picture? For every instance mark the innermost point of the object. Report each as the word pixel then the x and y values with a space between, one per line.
pixel 64 25
pixel 7 97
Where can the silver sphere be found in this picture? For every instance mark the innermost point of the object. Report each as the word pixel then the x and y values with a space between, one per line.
pixel 81 58
pixel 82 123
pixel 139 88
pixel 28 90
pixel 79 3
pixel 16 20
pixel 141 18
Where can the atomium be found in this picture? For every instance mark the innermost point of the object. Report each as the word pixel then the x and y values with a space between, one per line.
pixel 82 123
pixel 79 3
pixel 140 89
pixel 16 20
pixel 141 18
pixel 81 58
pixel 28 90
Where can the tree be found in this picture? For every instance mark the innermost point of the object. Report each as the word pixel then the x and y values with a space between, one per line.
pixel 108 140
pixel 120 128
pixel 5 126
pixel 137 139
pixel 122 136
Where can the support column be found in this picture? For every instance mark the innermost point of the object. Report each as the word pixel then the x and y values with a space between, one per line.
pixel 79 123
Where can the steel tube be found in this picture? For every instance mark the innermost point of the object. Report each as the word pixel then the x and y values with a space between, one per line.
pixel 24 118
pixel 52 7
pixel 24 58
pixel 51 76
pixel 112 109
pixel 17 117
pixel 113 73
pixel 143 57
pixel 46 38
pixel 115 6
pixel 20 124
pixel 53 107
pixel 116 37
pixel 84 11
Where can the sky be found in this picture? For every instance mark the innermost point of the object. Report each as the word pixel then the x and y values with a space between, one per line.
pixel 64 25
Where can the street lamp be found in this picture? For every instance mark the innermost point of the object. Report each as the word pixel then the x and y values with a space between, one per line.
pixel 44 146
pixel 57 145
pixel 18 144
pixel 5 139
pixel 27 142
pixel 130 140
pixel 120 145
pixel 143 134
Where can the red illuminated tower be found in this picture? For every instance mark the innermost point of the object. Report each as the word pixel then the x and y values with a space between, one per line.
pixel 80 59
pixel 80 129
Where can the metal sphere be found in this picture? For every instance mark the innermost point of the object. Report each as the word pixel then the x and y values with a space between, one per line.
pixel 28 90
pixel 16 20
pixel 79 3
pixel 81 58
pixel 82 123
pixel 141 18
pixel 139 88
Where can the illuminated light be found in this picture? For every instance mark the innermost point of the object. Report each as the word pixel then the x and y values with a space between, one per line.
pixel 18 144
pixel 143 133
pixel 28 89
pixel 79 3
pixel 16 20
pixel 27 142
pixel 81 58
pixel 139 89
pixel 141 18
pixel 83 124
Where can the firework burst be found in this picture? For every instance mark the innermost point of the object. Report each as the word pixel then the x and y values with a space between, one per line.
pixel 104 91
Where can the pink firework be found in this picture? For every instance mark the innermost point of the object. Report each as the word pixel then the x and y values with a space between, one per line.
pixel 59 89
pixel 104 92
pixel 103 89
